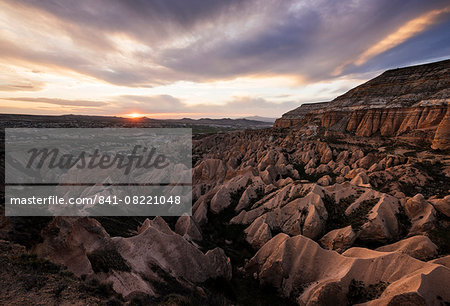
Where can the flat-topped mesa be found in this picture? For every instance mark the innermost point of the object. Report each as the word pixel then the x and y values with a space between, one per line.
pixel 410 102
pixel 296 116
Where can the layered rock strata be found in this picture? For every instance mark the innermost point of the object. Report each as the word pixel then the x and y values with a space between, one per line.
pixel 409 102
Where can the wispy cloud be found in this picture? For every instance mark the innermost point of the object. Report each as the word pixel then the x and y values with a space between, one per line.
pixel 406 31
pixel 137 43
pixel 163 106
pixel 61 102
pixel 167 106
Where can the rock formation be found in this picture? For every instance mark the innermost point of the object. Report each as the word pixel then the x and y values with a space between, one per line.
pixel 409 102
pixel 291 263
pixel 141 263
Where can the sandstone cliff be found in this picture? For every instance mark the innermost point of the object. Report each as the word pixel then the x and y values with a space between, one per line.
pixel 408 102
pixel 297 115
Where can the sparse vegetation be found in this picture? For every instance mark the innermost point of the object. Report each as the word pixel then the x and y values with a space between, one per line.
pixel 96 288
pixel 337 217
pixel 438 186
pixel 242 289
pixel 28 279
pixel 441 234
pixel 259 195
pixel 336 213
pixel 169 283
pixel 27 231
pixel 404 224
pixel 359 215
pixel 121 226
pixel 358 292
pixel 32 262
pixel 310 177
pixel 333 139
pixel 230 237
pixel 106 260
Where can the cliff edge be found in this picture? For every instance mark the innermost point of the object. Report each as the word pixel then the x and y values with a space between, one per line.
pixel 410 102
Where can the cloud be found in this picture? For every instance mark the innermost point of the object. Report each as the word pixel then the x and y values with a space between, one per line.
pixel 21 85
pixel 310 41
pixel 165 104
pixel 11 80
pixel 60 102
pixel 408 30
pixel 148 104
pixel 434 42
pixel 145 20
pixel 250 105
pixel 151 43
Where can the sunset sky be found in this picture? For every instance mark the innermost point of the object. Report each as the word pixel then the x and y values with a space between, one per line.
pixel 210 58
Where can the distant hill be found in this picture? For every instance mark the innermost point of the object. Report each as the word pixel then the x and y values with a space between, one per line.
pixel 203 125
pixel 259 118
pixel 224 122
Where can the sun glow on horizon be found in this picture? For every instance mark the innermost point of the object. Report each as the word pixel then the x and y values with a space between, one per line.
pixel 134 115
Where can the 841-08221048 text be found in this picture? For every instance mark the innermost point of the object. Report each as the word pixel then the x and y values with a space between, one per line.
pixel 101 200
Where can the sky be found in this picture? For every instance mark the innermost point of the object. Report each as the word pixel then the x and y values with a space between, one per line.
pixel 205 58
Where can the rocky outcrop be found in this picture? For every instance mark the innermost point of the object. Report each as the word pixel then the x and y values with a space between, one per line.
pixel 339 239
pixel 442 136
pixel 159 254
pixel 144 263
pixel 296 116
pixel 187 228
pixel 420 247
pixel 302 192
pixel 68 240
pixel 409 102
pixel 442 205
pixel 445 261
pixel 301 269
pixel 28 280
pixel 401 87
pixel 421 213
pixel 286 211
pixel 382 224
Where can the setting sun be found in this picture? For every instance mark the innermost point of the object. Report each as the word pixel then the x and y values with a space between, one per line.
pixel 134 115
